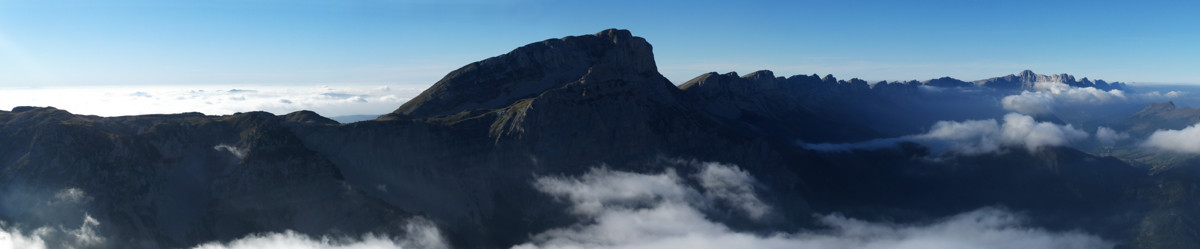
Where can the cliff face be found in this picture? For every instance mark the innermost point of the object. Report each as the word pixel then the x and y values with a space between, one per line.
pixel 1026 79
pixel 533 69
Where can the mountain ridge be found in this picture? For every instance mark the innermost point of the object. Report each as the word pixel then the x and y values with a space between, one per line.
pixel 465 154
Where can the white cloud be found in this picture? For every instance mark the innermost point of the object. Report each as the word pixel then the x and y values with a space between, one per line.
pixel 1023 130
pixel 293 240
pixel 212 100
pixel 419 233
pixel 732 185
pixel 1048 95
pixel 601 188
pixel 46 237
pixel 658 217
pixel 1186 140
pixel 72 195
pixel 1029 102
pixel 1108 136
pixel 976 136
pixel 238 152
pixel 14 238
pixel 1158 96
pixel 86 234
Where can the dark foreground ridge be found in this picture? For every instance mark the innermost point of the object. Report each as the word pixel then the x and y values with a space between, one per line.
pixel 466 153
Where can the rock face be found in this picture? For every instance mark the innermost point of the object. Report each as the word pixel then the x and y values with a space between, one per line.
pixel 465 152
pixel 1026 79
pixel 532 69
pixel 771 104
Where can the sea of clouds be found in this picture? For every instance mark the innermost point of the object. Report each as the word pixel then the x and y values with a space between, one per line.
pixel 972 137
pixel 665 209
pixel 329 101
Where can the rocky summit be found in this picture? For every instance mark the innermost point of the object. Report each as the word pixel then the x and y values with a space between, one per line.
pixel 497 154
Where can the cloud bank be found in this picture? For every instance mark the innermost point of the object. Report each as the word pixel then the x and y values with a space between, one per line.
pixel 213 100
pixel 662 211
pixel 1186 140
pixel 1108 136
pixel 1050 94
pixel 1047 96
pixel 733 186
pixel 419 233
pixel 976 136
pixel 85 236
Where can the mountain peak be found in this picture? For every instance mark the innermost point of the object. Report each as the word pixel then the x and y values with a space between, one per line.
pixel 1027 74
pixel 1158 107
pixel 532 69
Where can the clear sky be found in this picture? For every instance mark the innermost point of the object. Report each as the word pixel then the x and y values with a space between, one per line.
pixel 117 42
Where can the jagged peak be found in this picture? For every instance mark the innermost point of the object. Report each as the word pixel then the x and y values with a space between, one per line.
pixel 829 79
pixel 760 74
pixel 1027 74
pixel 1026 79
pixel 703 78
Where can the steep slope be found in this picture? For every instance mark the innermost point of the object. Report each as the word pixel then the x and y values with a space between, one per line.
pixel 776 106
pixel 175 180
pixel 1160 116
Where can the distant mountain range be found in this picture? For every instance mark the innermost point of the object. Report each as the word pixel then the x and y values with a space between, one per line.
pixel 467 155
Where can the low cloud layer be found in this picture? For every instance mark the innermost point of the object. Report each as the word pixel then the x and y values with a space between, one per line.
pixel 419 233
pixel 1186 140
pixel 1048 96
pixel 976 136
pixel 212 100
pixel 661 211
pixel 733 186
pixel 1108 136
pixel 85 236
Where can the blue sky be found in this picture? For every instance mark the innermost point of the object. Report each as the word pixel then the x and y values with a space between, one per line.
pixel 416 42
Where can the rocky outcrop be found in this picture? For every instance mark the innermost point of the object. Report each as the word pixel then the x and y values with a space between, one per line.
pixel 1026 79
pixel 532 69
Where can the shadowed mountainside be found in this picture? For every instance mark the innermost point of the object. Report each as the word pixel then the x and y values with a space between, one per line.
pixel 465 152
